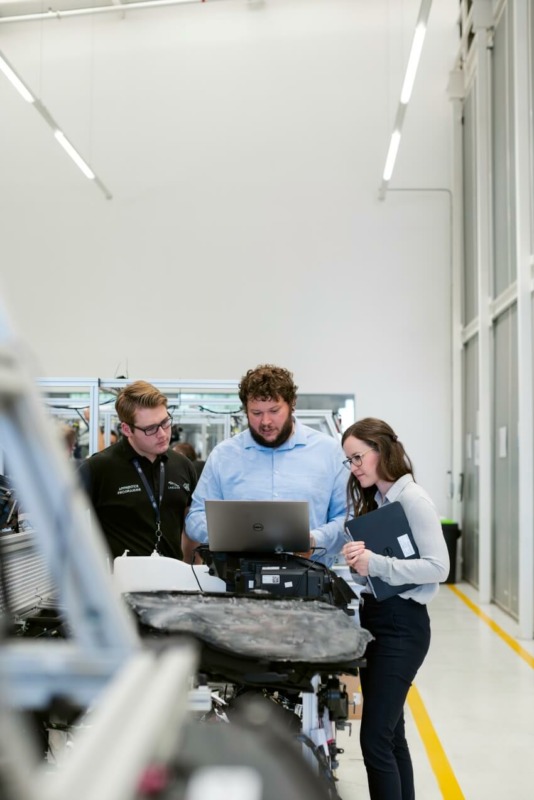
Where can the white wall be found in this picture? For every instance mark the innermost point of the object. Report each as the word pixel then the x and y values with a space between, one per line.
pixel 244 147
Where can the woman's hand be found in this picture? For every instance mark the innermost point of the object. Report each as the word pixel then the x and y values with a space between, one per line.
pixel 357 557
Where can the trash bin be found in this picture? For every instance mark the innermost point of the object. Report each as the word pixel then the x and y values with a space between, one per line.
pixel 451 532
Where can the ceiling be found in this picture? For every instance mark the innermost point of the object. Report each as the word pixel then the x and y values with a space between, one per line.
pixel 244 152
pixel 213 77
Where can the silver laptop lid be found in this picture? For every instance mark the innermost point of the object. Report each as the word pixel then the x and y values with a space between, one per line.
pixel 258 526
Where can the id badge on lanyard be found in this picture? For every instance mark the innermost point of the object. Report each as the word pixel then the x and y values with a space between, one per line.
pixel 156 505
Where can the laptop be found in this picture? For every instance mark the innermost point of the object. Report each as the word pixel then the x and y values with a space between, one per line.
pixel 258 526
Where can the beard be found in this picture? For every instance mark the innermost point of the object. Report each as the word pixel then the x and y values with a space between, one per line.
pixel 285 432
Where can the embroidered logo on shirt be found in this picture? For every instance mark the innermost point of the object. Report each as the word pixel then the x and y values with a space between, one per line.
pixel 132 487
pixel 173 485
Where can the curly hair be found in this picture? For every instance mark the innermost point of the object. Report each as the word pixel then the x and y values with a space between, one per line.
pixel 267 382
pixel 139 394
pixel 393 461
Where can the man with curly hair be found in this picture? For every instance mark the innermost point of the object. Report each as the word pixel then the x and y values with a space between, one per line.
pixel 275 458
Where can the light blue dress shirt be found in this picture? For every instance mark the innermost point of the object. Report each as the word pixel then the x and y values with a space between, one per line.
pixel 306 467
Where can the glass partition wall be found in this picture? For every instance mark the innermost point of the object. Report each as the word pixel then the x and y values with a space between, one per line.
pixel 204 412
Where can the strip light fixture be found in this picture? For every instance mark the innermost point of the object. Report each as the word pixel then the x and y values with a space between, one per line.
pixel 73 153
pixel 68 147
pixel 406 93
pixel 12 76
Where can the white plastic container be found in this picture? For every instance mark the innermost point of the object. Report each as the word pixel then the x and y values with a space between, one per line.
pixel 161 574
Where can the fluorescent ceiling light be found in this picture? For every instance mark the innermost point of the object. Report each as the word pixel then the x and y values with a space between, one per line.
pixel 406 92
pixel 413 62
pixel 12 76
pixel 392 155
pixel 73 153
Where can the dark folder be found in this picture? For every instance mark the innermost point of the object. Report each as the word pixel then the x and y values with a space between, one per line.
pixel 385 531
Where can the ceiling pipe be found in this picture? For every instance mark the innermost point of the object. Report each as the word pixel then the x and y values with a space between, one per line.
pixel 52 14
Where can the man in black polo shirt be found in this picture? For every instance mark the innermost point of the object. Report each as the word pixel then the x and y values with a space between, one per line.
pixel 139 488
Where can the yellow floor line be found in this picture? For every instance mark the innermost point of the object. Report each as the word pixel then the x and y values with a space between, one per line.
pixel 449 786
pixel 510 641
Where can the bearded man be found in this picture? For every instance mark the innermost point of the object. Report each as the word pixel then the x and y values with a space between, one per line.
pixel 275 458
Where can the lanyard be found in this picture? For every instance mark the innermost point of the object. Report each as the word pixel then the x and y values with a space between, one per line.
pixel 155 505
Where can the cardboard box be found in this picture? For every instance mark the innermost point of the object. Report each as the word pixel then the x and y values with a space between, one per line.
pixel 353 689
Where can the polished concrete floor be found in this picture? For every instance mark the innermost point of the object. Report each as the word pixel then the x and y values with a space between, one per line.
pixel 470 714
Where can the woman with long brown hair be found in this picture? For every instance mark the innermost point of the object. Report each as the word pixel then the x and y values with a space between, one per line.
pixel 380 473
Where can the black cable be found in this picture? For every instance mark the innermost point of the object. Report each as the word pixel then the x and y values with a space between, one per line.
pixel 211 411
pixel 192 565
pixel 78 408
pixel 320 550
pixel 310 564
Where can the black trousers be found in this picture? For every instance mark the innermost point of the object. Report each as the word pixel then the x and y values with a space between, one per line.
pixel 402 637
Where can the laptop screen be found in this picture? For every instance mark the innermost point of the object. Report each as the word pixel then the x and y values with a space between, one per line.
pixel 258 526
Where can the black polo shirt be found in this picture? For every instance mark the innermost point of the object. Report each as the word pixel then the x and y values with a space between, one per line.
pixel 122 503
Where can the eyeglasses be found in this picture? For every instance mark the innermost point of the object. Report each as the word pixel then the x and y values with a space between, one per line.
pixel 151 430
pixel 356 459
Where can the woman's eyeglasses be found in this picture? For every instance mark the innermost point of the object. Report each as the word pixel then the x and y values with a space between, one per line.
pixel 151 430
pixel 356 459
